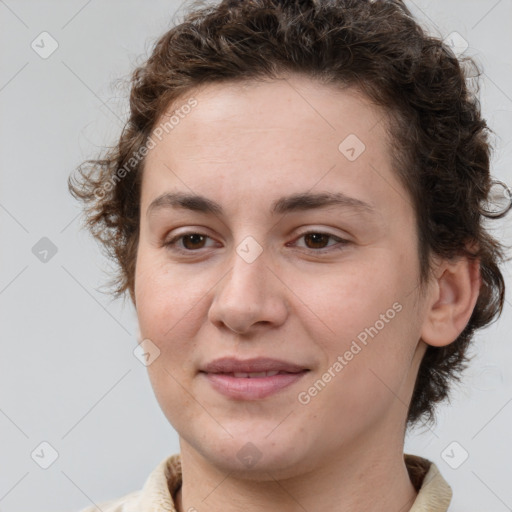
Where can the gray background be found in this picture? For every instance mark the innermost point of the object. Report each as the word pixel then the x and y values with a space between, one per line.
pixel 68 375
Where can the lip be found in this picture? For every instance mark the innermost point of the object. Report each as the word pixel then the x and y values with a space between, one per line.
pixel 252 388
pixel 219 374
pixel 259 364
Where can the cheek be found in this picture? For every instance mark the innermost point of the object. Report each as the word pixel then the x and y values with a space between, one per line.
pixel 346 300
pixel 167 309
pixel 165 296
pixel 365 371
pixel 365 316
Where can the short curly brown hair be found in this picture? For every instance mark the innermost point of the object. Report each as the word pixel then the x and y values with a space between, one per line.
pixel 442 151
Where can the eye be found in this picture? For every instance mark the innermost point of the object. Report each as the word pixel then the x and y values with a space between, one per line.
pixel 191 241
pixel 318 239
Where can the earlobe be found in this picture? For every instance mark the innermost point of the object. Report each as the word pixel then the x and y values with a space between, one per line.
pixel 452 301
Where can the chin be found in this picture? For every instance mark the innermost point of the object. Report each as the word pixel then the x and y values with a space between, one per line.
pixel 254 458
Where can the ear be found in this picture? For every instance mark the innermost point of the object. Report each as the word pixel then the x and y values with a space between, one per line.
pixel 451 301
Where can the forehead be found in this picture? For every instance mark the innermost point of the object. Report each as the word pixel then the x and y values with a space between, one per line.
pixel 292 133
pixel 295 104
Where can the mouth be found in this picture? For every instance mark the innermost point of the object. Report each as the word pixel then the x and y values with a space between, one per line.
pixel 253 385
pixel 256 367
pixel 251 379
pixel 253 375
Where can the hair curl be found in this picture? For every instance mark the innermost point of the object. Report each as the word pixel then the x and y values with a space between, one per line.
pixel 441 150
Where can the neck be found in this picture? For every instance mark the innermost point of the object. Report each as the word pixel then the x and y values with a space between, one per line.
pixel 374 479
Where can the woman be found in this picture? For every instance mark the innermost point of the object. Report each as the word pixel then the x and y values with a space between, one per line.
pixel 296 207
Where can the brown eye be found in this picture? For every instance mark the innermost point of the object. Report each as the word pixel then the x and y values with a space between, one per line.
pixel 318 240
pixel 190 242
pixel 193 241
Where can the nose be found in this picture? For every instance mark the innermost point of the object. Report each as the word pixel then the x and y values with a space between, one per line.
pixel 249 297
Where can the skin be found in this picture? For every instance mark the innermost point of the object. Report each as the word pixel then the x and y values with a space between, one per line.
pixel 300 300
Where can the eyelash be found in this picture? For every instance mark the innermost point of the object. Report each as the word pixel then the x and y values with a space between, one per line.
pixel 171 244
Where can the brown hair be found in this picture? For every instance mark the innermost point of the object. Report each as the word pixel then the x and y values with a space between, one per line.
pixel 442 153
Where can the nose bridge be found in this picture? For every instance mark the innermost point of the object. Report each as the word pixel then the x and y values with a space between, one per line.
pixel 248 277
pixel 248 294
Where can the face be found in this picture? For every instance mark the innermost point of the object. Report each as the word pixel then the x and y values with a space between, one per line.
pixel 303 249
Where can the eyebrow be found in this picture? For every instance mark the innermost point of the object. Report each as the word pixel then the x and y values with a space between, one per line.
pixel 292 203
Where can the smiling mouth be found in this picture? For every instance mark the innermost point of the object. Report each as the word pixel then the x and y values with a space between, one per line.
pixel 255 375
pixel 253 385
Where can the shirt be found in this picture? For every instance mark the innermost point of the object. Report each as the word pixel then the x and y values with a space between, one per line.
pixel 159 491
